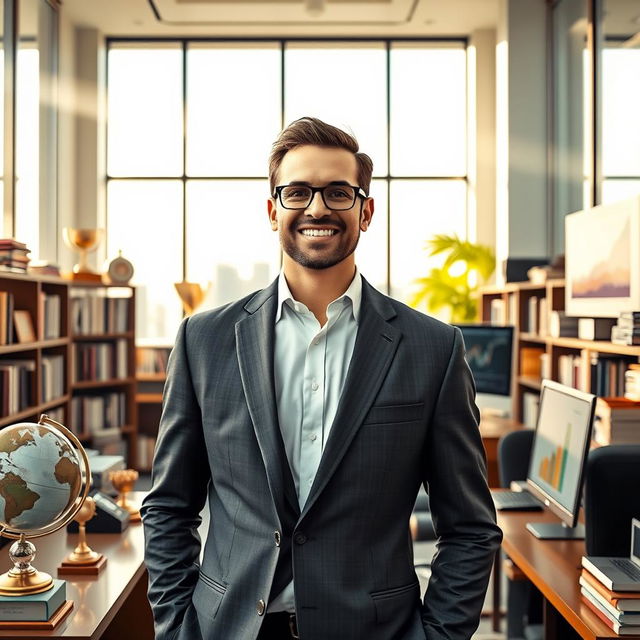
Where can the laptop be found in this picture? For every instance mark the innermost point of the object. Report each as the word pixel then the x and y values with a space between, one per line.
pixel 618 574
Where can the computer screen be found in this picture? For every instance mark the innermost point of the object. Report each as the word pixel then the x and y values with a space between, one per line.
pixel 558 456
pixel 489 353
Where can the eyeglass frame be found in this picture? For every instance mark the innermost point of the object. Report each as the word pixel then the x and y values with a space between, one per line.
pixel 358 193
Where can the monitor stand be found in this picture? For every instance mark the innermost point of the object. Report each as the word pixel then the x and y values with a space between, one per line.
pixel 556 531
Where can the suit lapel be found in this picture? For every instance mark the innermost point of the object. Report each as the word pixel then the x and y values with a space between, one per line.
pixel 375 347
pixel 255 339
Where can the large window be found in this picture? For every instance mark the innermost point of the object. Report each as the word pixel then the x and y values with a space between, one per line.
pixel 190 125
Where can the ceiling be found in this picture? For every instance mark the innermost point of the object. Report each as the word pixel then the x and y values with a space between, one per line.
pixel 269 18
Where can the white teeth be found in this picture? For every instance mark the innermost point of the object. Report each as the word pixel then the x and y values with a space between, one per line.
pixel 318 232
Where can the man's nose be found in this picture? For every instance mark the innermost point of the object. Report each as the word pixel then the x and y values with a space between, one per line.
pixel 317 207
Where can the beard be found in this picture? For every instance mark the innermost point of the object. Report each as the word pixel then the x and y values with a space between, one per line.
pixel 316 255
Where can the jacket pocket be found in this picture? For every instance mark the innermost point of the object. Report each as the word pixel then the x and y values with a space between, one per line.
pixel 396 602
pixel 395 413
pixel 208 595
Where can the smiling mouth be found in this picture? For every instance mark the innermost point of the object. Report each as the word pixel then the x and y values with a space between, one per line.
pixel 318 233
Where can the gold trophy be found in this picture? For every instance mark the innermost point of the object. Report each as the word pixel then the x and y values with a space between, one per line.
pixel 83 560
pixel 123 481
pixel 84 240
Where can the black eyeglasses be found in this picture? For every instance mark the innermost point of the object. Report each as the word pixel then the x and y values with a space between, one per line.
pixel 336 197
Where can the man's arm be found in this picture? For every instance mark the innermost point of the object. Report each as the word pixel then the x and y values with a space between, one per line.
pixel 461 507
pixel 170 512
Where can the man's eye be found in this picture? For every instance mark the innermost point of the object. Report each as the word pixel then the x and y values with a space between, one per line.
pixel 296 193
pixel 338 193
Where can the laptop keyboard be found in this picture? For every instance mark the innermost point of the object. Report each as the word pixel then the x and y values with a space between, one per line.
pixel 515 500
pixel 627 567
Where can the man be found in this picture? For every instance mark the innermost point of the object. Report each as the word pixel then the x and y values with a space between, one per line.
pixel 309 414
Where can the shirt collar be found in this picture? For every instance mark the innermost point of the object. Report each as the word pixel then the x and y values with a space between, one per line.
pixel 353 294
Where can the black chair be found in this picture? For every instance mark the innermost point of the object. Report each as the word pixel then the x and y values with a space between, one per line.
pixel 524 603
pixel 611 499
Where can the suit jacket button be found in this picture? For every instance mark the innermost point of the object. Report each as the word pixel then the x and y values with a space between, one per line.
pixel 276 535
pixel 300 538
pixel 261 607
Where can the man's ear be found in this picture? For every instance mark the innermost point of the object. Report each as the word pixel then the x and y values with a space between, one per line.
pixel 366 214
pixel 273 213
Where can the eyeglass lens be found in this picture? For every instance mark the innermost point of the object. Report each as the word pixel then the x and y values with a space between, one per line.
pixel 336 197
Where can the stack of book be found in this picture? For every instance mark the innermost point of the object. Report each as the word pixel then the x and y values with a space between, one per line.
pixel 627 329
pixel 13 255
pixel 632 382
pixel 619 610
pixel 617 421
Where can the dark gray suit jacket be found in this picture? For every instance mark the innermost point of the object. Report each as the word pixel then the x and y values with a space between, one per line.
pixel 406 416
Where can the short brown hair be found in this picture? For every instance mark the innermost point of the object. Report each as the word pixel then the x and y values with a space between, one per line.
pixel 313 131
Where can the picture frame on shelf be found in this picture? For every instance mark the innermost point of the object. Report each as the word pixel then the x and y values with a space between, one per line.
pixel 603 260
pixel 23 326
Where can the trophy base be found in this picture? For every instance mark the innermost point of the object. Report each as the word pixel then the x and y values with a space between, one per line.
pixel 68 568
pixel 24 584
pixel 85 276
pixel 45 625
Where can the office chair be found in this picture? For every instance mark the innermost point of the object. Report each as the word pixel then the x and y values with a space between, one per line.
pixel 524 603
pixel 611 498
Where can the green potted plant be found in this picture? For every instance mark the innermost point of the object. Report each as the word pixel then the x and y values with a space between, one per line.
pixel 455 284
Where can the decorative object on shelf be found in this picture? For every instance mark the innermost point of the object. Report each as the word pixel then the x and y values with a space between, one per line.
pixel 84 240
pixel 123 481
pixel 455 284
pixel 603 259
pixel 540 274
pixel 23 326
pixel 46 469
pixel 191 294
pixel 83 560
pixel 118 271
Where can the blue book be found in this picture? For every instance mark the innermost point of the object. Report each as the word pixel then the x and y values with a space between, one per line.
pixel 38 607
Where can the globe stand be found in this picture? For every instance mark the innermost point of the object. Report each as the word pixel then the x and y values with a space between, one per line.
pixel 23 579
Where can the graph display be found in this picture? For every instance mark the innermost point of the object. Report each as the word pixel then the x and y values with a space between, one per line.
pixel 561 438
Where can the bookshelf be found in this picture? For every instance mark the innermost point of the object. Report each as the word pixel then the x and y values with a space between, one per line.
pixel 536 312
pixel 80 368
pixel 151 373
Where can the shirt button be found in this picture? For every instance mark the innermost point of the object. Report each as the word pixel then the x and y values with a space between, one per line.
pixel 261 607
pixel 299 538
pixel 313 437
pixel 314 386
pixel 276 535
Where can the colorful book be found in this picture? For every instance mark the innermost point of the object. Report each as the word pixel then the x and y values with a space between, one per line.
pixel 621 630
pixel 38 607
pixel 625 601
pixel 613 614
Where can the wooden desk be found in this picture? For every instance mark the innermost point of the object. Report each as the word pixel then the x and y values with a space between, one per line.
pixel 110 606
pixel 492 428
pixel 554 568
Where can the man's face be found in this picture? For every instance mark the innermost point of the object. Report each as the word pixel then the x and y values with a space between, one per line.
pixel 298 229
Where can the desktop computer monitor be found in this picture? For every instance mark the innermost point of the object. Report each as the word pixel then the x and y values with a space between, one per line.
pixel 558 457
pixel 489 354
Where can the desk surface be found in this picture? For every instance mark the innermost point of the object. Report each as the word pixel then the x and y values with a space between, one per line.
pixel 554 567
pixel 96 599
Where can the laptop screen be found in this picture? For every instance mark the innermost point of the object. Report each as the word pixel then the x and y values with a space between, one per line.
pixel 635 541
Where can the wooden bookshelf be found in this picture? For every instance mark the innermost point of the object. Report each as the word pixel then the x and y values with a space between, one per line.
pixel 515 300
pixel 50 386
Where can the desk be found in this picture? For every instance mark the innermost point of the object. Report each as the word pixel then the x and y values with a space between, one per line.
pixel 554 568
pixel 110 606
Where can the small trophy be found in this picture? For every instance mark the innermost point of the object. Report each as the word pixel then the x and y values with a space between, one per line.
pixel 123 481
pixel 83 560
pixel 84 240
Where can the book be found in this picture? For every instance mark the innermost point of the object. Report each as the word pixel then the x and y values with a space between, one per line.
pixel 622 600
pixel 611 612
pixel 595 328
pixel 621 630
pixel 37 607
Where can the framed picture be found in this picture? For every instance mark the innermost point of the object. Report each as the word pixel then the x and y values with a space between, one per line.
pixel 23 326
pixel 602 260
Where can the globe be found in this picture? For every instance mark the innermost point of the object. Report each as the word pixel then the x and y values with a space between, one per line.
pixel 40 476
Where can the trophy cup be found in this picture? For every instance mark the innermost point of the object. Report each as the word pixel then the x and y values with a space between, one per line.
pixel 123 481
pixel 84 240
pixel 46 469
pixel 83 560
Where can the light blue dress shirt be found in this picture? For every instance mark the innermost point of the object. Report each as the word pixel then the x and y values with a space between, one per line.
pixel 311 364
